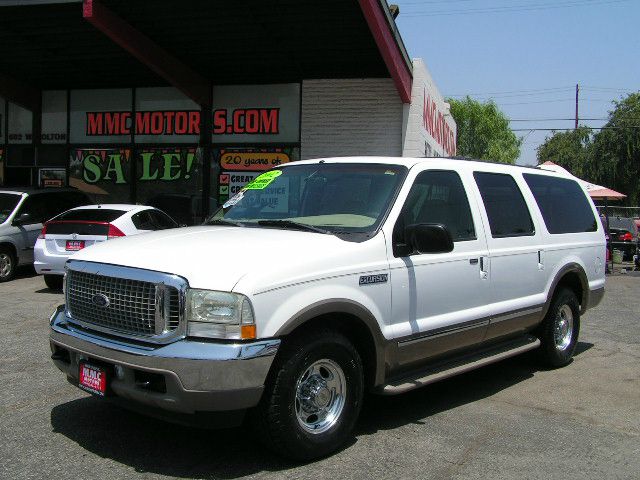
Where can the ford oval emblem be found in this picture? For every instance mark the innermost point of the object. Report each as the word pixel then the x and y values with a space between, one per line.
pixel 100 300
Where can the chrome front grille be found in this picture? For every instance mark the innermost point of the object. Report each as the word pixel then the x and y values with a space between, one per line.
pixel 124 301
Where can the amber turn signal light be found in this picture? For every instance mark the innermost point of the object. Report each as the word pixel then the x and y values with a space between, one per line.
pixel 247 332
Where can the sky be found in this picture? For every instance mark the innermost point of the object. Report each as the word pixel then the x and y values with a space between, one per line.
pixel 528 55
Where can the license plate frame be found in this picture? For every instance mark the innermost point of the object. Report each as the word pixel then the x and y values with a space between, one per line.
pixel 74 245
pixel 92 378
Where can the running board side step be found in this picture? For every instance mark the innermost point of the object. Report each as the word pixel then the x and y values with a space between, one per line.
pixel 459 365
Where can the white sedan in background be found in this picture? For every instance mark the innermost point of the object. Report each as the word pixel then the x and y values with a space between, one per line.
pixel 82 227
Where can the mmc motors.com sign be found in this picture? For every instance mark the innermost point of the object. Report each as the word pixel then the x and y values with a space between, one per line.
pixel 249 121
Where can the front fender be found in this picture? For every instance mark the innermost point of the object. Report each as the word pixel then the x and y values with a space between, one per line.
pixel 279 312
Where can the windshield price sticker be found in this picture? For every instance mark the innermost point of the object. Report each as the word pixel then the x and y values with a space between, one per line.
pixel 263 180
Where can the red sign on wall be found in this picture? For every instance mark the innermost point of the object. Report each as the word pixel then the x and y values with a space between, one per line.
pixel 146 123
pixel 434 122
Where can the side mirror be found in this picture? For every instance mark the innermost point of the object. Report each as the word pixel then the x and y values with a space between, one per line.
pixel 23 219
pixel 428 238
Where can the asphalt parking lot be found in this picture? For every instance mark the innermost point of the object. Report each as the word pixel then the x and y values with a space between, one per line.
pixel 508 420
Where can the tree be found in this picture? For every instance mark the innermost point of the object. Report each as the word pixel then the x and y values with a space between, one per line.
pixel 483 131
pixel 611 157
pixel 568 149
pixel 615 156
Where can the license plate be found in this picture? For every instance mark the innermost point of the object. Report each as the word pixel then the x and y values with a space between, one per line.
pixel 93 379
pixel 75 245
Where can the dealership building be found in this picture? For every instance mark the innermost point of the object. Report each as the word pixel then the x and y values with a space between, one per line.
pixel 179 104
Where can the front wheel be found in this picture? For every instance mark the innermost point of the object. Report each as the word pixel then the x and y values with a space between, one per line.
pixel 8 264
pixel 54 282
pixel 313 398
pixel 559 330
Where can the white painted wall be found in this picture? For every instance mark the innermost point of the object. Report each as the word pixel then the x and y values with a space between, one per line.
pixel 429 130
pixel 351 117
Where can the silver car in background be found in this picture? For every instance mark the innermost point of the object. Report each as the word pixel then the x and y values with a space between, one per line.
pixel 22 213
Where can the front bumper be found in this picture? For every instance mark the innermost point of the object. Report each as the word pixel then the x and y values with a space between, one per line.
pixel 184 377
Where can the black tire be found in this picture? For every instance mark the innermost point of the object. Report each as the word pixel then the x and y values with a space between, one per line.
pixel 8 264
pixel 276 417
pixel 553 352
pixel 54 282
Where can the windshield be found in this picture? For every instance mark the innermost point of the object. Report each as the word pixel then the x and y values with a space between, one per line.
pixel 337 198
pixel 8 202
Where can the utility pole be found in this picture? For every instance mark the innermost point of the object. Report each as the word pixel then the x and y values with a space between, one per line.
pixel 577 91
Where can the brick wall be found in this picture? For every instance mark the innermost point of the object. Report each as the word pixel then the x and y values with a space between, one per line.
pixel 350 117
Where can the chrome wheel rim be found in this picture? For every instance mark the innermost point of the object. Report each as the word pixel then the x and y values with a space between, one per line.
pixel 320 396
pixel 563 328
pixel 5 265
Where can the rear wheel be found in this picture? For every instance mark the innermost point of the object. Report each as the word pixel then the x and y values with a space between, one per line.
pixel 54 282
pixel 559 330
pixel 312 401
pixel 8 264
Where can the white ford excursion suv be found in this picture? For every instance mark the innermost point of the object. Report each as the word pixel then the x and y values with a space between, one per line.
pixel 323 278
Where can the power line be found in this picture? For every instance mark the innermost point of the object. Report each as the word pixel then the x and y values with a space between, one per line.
pixel 535 92
pixel 555 119
pixel 633 127
pixel 432 2
pixel 556 100
pixel 522 94
pixel 611 89
pixel 593 119
pixel 513 8
pixel 541 90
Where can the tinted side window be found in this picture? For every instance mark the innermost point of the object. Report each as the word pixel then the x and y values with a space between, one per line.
pixel 563 204
pixel 161 220
pixel 438 197
pixel 507 211
pixel 142 221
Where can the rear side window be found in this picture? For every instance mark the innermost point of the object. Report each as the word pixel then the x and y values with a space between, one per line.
pixel 91 215
pixel 563 204
pixel 507 211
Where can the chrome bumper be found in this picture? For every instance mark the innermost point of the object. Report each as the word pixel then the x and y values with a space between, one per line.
pixel 194 376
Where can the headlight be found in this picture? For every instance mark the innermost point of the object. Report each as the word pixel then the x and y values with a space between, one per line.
pixel 219 315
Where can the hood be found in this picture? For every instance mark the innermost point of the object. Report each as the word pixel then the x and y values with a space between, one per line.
pixel 218 257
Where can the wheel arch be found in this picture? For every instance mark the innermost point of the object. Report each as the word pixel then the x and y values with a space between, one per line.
pixel 7 244
pixel 354 321
pixel 573 277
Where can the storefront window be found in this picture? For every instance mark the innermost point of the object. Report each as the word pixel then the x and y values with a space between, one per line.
pixel 171 179
pixel 235 167
pixel 1 166
pixel 103 174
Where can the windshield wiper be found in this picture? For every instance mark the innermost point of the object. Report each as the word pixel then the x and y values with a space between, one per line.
pixel 222 221
pixel 293 225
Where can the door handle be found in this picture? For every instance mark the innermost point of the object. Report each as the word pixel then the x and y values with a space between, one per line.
pixel 484 268
pixel 473 261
